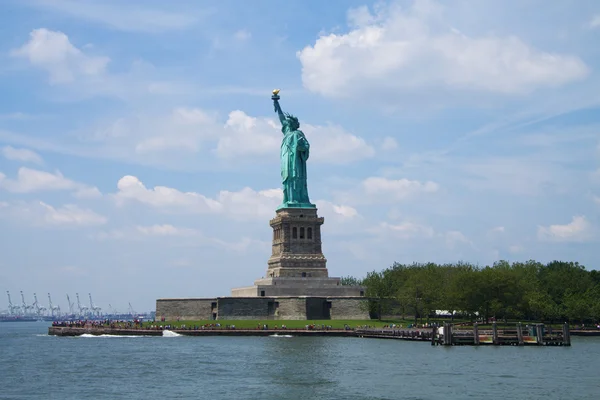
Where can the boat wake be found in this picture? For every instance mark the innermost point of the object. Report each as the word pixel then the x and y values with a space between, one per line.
pixel 167 333
pixel 89 335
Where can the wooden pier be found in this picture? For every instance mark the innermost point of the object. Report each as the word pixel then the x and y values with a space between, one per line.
pixel 529 335
pixel 451 335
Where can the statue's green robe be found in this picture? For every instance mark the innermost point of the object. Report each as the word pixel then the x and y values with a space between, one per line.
pixel 295 150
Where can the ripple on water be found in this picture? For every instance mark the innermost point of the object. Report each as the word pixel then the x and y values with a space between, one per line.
pixel 267 368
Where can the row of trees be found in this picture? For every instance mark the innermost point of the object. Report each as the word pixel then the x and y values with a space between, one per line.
pixel 556 291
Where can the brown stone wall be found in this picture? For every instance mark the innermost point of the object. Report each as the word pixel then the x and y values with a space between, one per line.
pixel 244 308
pixel 291 308
pixel 262 308
pixel 184 309
pixel 349 308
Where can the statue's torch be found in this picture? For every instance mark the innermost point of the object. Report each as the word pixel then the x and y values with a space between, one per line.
pixel 275 99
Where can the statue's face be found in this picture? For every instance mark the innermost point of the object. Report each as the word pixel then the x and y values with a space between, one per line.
pixel 294 124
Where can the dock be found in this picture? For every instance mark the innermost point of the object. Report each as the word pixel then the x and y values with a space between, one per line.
pixel 529 335
pixel 452 335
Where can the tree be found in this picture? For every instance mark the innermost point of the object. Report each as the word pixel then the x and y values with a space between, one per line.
pixel 350 281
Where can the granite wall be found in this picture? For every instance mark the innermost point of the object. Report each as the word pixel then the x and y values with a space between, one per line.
pixel 245 308
pixel 349 308
pixel 262 308
pixel 186 309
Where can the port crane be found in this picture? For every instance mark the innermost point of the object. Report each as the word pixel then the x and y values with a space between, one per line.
pixel 94 309
pixel 39 310
pixel 12 309
pixel 53 309
pixel 71 305
pixel 83 310
pixel 24 306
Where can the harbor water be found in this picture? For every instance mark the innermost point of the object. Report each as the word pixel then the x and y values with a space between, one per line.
pixel 34 365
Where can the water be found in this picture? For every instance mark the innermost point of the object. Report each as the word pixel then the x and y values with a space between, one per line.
pixel 36 366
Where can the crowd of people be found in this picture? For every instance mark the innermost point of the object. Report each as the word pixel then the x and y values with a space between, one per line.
pixel 100 323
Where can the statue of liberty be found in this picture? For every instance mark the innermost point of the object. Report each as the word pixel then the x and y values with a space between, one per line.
pixel 294 153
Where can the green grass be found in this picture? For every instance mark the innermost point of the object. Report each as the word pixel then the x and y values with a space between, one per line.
pixel 335 324
pixel 291 324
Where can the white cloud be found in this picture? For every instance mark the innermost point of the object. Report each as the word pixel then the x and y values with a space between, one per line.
pixel 177 138
pixel 250 136
pixel 246 203
pixel 395 49
pixel 183 237
pixel 390 190
pixel 515 249
pixel 242 35
pixel 183 130
pixel 404 230
pixel 53 52
pixel 345 211
pixel 578 230
pixel 71 214
pixel 24 155
pixel 498 229
pixel 131 188
pixel 339 218
pixel 31 180
pixel 455 238
pixel 123 16
pixel 165 230
pixel 86 192
pixel 389 143
pixel 333 145
pixel 595 21
pixel 244 135
pixel 596 199
pixel 244 245
pixel 43 214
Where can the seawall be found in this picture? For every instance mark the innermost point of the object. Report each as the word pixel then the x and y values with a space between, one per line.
pixel 72 331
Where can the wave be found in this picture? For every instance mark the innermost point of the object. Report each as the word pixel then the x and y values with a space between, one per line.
pixel 89 335
pixel 167 333
pixel 276 335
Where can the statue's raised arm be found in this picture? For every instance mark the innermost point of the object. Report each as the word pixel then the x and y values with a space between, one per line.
pixel 278 110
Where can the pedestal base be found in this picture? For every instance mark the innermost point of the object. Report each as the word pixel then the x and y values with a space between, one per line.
pixel 282 286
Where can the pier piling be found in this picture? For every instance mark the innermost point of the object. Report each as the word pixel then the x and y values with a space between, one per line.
pixel 494 333
pixel 539 332
pixel 520 334
pixel 566 335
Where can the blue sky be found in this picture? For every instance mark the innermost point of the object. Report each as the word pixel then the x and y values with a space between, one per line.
pixel 139 148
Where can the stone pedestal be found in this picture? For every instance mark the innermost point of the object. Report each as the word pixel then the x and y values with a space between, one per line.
pixel 296 249
pixel 297 266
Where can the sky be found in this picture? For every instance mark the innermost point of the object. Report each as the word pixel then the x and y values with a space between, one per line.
pixel 139 149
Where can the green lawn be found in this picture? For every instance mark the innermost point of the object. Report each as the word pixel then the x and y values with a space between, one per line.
pixel 292 324
pixel 335 324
